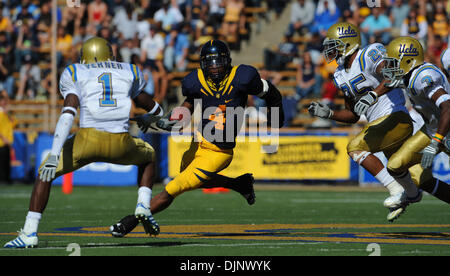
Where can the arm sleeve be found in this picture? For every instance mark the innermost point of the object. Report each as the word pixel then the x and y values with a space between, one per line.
pixel 428 82
pixel 274 102
pixel 139 82
pixel 67 83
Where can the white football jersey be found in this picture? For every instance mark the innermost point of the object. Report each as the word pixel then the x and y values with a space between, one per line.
pixel 105 90
pixel 425 80
pixel 361 78
pixel 445 60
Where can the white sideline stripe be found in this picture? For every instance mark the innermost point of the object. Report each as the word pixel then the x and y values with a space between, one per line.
pixel 119 245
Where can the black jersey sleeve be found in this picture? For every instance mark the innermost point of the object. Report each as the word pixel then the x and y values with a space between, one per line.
pixel 188 85
pixel 250 79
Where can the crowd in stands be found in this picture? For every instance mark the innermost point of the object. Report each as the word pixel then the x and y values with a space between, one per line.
pixel 157 35
pixel 427 21
pixel 163 36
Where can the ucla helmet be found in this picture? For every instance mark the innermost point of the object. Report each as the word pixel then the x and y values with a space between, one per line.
pixel 96 49
pixel 215 60
pixel 402 55
pixel 342 40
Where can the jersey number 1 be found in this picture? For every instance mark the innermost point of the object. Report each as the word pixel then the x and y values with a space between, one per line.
pixel 107 100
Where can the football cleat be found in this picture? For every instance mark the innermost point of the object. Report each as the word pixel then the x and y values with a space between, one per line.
pixel 394 213
pixel 124 226
pixel 244 185
pixel 395 201
pixel 145 217
pixel 23 240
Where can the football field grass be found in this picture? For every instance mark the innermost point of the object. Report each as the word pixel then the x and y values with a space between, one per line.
pixel 285 221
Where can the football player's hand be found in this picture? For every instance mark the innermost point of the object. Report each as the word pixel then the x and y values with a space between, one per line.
pixel 429 153
pixel 398 83
pixel 365 102
pixel 48 171
pixel 320 110
pixel 165 123
pixel 145 121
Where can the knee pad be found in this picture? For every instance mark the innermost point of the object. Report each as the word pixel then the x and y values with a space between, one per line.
pixel 359 156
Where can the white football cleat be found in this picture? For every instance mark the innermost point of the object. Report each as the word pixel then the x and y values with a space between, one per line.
pixel 395 201
pixel 394 213
pixel 145 217
pixel 23 241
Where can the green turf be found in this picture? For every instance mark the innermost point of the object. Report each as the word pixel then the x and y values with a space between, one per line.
pixel 102 206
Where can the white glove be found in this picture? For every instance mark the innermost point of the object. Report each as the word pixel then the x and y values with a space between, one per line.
pixel 365 102
pixel 48 171
pixel 145 121
pixel 429 153
pixel 165 123
pixel 320 110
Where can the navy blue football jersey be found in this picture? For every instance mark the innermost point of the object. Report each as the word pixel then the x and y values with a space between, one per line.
pixel 216 103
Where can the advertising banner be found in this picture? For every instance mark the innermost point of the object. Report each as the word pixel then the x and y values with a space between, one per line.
pixel 297 157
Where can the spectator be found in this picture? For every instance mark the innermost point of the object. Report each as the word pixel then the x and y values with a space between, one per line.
pixel 308 78
pixel 97 12
pixel 143 26
pixel 376 28
pixel 25 44
pixel 415 25
pixel 277 59
pixel 234 17
pixel 30 79
pixel 6 140
pixel 216 13
pixel 176 50
pixel 63 44
pixel 196 15
pixel 327 14
pixel 6 78
pixel 5 24
pixel 168 15
pixel 6 47
pixel 152 55
pixel 399 12
pixel 126 22
pixel 302 16
pixel 439 23
pixel 129 49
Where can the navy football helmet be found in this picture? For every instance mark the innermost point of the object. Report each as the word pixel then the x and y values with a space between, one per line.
pixel 215 60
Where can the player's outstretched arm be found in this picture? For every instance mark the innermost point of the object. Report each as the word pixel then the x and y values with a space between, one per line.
pixel 441 99
pixel 62 130
pixel 344 116
pixel 274 101
pixel 155 111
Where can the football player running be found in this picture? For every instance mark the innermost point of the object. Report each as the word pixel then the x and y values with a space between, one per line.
pixel 218 86
pixel 359 77
pixel 103 89
pixel 428 90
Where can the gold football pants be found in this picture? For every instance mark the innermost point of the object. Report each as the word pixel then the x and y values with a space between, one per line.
pixel 91 145
pixel 200 163
pixel 409 156
pixel 385 134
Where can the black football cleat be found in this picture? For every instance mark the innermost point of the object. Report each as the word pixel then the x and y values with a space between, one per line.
pixel 124 226
pixel 244 185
